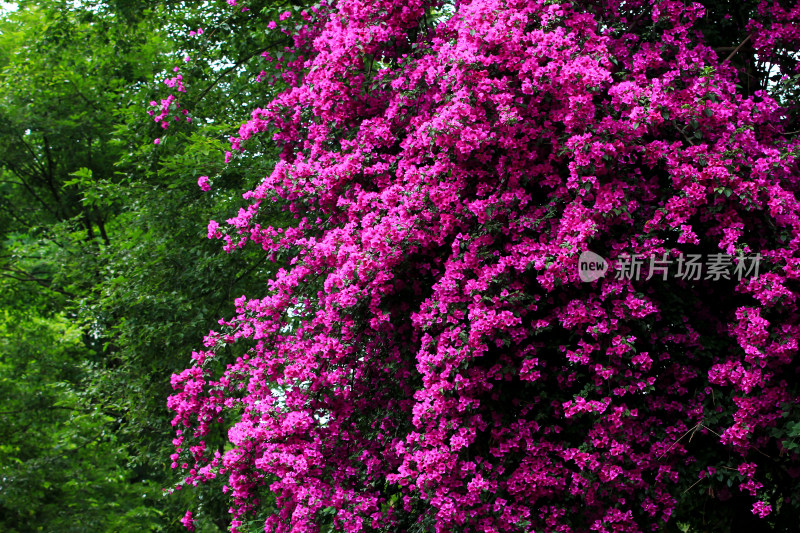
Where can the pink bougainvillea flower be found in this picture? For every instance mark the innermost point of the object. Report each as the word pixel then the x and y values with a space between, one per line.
pixel 427 355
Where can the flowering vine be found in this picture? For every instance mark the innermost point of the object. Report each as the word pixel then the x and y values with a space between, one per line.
pixel 430 357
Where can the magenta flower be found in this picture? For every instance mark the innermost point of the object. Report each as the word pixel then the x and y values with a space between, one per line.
pixel 426 354
pixel 188 521
pixel 762 509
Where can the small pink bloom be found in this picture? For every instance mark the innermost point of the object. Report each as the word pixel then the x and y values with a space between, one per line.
pixel 213 230
pixel 762 509
pixel 188 521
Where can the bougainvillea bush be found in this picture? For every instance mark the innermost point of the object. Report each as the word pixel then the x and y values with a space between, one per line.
pixel 429 358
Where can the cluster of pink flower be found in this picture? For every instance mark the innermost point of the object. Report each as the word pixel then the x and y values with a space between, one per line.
pixel 169 108
pixel 430 355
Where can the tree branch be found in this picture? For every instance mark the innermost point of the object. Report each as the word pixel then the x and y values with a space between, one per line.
pixel 16 411
pixel 737 48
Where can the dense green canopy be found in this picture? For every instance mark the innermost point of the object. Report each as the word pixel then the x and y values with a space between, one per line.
pixel 106 277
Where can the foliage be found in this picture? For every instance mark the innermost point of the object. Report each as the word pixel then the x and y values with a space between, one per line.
pixel 99 243
pixel 63 466
pixel 58 460
pixel 430 359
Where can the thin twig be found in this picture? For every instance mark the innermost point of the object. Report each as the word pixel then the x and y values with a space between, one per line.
pixel 681 437
pixel 693 484
pixel 737 48
pixel 684 135
pixel 75 409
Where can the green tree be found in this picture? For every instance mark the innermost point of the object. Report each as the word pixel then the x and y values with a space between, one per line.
pixel 106 275
pixel 64 72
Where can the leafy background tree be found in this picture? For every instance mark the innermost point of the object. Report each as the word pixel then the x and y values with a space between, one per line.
pixel 108 279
